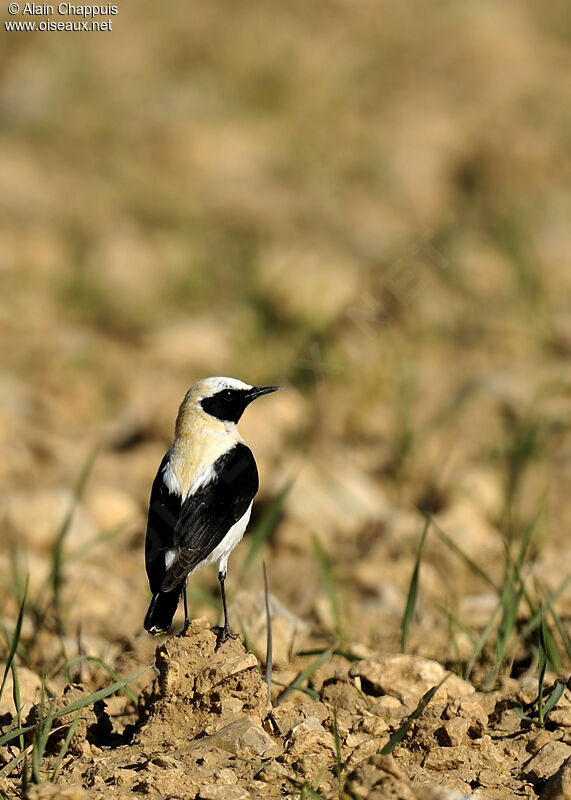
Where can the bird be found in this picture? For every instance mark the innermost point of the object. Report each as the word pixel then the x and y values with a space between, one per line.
pixel 201 498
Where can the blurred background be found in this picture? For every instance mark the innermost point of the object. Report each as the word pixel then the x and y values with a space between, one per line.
pixel 366 203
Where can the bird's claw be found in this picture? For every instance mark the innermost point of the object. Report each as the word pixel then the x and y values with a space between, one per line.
pixel 222 635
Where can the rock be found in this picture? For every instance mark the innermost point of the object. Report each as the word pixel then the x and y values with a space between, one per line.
pixel 205 700
pixel 287 628
pixel 559 786
pixel 51 791
pixel 309 747
pixel 453 733
pixel 361 753
pixel 561 717
pixel 92 726
pixel 271 772
pixel 379 777
pixel 242 737
pixel 209 676
pixel 439 793
pixel 223 793
pixel 470 711
pixel 407 678
pixel 547 760
pixel 538 741
pixel 389 765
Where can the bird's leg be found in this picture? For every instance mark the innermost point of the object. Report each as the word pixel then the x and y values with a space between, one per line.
pixel 186 614
pixel 224 633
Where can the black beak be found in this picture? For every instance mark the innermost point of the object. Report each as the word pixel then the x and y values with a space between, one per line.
pixel 256 391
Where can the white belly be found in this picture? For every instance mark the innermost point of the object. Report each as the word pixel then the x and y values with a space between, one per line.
pixel 227 544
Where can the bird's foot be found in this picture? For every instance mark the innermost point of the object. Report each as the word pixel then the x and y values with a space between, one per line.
pixel 223 633
pixel 185 627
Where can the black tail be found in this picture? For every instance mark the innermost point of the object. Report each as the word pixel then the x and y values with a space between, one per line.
pixel 161 611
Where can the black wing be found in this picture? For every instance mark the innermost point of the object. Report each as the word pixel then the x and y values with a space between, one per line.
pixel 164 514
pixel 208 514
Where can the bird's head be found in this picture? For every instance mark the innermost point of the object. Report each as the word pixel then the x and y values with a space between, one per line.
pixel 223 399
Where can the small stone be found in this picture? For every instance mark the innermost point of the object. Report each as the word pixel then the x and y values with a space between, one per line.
pixel 559 786
pixel 453 733
pixel 439 793
pixel 225 776
pixel 213 675
pixel 51 791
pixel 223 793
pixel 535 744
pixel 389 765
pixel 361 753
pixel 547 760
pixel 241 737
pixel 166 762
pixel 272 772
pixel 561 717
pixel 408 678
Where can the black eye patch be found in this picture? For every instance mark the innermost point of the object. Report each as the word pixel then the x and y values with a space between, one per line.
pixel 227 405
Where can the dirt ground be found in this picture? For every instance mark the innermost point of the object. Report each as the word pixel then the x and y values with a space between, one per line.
pixel 368 205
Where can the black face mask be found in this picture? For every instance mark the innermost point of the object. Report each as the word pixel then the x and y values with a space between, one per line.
pixel 228 405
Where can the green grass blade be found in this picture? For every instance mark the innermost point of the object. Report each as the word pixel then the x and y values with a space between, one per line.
pixel 452 620
pixel 328 584
pixel 482 639
pixel 541 667
pixel 338 755
pixel 555 616
pixel 305 792
pixel 553 698
pixel 508 623
pixel 298 682
pixel 18 707
pixel 43 732
pixel 15 638
pixel 303 689
pixel 522 715
pixel 56 574
pixel 269 643
pixel 399 734
pixel 71 662
pixel 65 746
pixel 78 704
pixel 8 768
pixel 413 590
pixel 533 623
pixel 526 539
